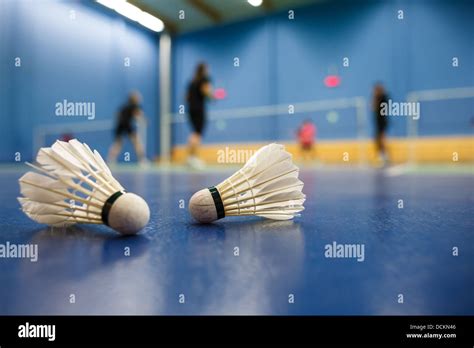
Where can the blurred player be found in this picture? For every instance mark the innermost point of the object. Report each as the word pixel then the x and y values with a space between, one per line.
pixel 306 139
pixel 199 90
pixel 66 136
pixel 127 116
pixel 381 121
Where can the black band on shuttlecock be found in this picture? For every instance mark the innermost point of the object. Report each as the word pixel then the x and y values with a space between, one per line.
pixel 216 196
pixel 108 205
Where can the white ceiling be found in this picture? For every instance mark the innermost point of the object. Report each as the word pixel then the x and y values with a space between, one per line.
pixel 200 14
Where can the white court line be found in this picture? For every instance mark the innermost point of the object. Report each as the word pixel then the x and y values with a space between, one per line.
pixel 397 170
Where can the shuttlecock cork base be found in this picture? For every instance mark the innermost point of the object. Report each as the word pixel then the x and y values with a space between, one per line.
pixel 125 212
pixel 206 205
pixel 266 186
pixel 72 184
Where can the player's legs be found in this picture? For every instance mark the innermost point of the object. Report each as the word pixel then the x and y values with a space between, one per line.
pixel 380 142
pixel 138 146
pixel 116 145
pixel 194 140
pixel 307 151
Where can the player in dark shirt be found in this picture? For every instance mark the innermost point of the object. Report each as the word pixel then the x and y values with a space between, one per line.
pixel 198 91
pixel 127 116
pixel 381 121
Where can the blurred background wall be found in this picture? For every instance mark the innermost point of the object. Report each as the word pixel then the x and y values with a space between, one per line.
pixel 78 56
pixel 285 62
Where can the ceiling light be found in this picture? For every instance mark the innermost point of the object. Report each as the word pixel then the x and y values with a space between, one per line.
pixel 128 10
pixel 110 3
pixel 134 13
pixel 255 3
pixel 151 22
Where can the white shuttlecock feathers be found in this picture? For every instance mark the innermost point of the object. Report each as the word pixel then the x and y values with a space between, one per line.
pixel 74 185
pixel 266 186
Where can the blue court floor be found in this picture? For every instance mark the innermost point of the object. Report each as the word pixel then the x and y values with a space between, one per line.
pixel 407 251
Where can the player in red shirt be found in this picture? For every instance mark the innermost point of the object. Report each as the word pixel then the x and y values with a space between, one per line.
pixel 307 138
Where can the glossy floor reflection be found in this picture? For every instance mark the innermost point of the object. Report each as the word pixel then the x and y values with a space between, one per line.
pixel 250 265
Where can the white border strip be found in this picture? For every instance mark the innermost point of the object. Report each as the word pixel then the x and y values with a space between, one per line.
pixel 441 94
pixel 40 132
pixel 431 95
pixel 280 109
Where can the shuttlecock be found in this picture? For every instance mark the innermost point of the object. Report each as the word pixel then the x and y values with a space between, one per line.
pixel 74 185
pixel 266 186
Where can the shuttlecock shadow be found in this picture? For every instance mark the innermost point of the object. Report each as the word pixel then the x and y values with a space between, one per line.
pixel 98 245
pixel 75 231
pixel 247 224
pixel 76 260
pixel 255 254
pixel 197 230
pixel 276 225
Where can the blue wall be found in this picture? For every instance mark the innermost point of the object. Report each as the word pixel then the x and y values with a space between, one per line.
pixel 78 60
pixel 285 62
pixel 281 62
